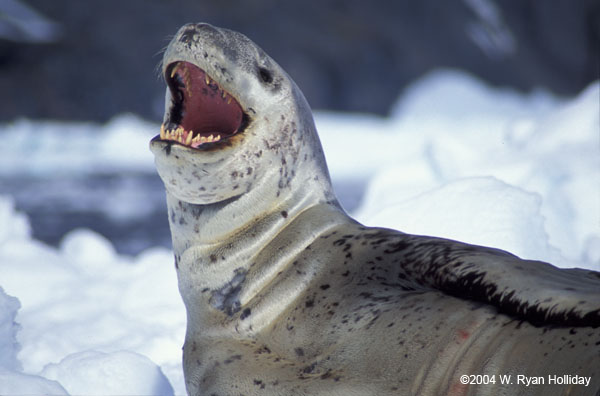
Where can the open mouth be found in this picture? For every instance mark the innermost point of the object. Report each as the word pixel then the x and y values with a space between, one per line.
pixel 201 111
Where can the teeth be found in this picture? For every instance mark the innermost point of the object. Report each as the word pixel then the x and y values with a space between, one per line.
pixel 224 94
pixel 229 100
pixel 175 70
pixel 187 138
pixel 206 79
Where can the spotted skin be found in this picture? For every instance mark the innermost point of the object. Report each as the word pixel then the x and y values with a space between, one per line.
pixel 287 295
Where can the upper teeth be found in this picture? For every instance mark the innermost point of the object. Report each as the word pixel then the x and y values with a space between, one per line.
pixel 175 70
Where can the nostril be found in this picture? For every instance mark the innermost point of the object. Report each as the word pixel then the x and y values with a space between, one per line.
pixel 187 36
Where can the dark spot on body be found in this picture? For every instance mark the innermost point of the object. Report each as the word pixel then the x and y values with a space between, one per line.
pixel 309 369
pixel 259 383
pixel 284 214
pixel 231 359
pixel 245 313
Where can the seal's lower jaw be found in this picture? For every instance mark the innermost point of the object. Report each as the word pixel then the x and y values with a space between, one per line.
pixel 202 115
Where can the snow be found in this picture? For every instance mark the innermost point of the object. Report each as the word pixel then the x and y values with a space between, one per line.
pixel 117 373
pixel 77 148
pixel 456 159
pixel 8 331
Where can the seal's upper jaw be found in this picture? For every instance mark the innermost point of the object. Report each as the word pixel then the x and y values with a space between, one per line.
pixel 201 113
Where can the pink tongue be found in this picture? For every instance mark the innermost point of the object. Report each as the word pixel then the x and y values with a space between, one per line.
pixel 206 111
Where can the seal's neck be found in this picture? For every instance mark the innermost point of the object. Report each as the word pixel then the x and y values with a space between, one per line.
pixel 214 242
pixel 265 205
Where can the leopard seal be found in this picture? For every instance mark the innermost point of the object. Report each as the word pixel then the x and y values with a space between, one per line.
pixel 287 295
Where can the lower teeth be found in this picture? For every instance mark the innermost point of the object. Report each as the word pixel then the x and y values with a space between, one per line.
pixel 178 136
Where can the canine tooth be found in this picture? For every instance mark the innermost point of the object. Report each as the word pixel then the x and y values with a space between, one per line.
pixel 188 140
pixel 206 79
pixel 229 100
pixel 224 95
pixel 196 139
pixel 175 70
pixel 210 138
pixel 162 132
pixel 218 138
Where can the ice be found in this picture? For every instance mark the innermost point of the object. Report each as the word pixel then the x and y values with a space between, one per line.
pixel 456 159
pixel 17 383
pixel 13 226
pixel 50 148
pixel 8 332
pixel 118 373
pixel 480 210
pixel 450 126
pixel 82 296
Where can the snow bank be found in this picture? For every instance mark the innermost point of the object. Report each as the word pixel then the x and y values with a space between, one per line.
pixel 8 332
pixel 119 373
pixel 16 383
pixel 450 127
pixel 483 211
pixel 82 296
pixel 51 147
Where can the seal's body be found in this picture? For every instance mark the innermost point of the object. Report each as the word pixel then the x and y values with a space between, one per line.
pixel 287 295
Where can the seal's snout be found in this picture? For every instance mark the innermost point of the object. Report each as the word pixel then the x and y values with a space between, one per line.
pixel 190 32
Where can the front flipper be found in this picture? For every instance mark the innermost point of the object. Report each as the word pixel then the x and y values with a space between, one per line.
pixel 537 292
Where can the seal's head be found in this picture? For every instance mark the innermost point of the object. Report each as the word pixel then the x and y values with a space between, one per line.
pixel 233 120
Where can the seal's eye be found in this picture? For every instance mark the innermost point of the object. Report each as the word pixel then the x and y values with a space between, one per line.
pixel 265 75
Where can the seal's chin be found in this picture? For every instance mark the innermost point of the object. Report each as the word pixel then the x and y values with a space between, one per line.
pixel 201 112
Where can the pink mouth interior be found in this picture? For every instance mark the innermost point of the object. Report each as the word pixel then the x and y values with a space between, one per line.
pixel 200 106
